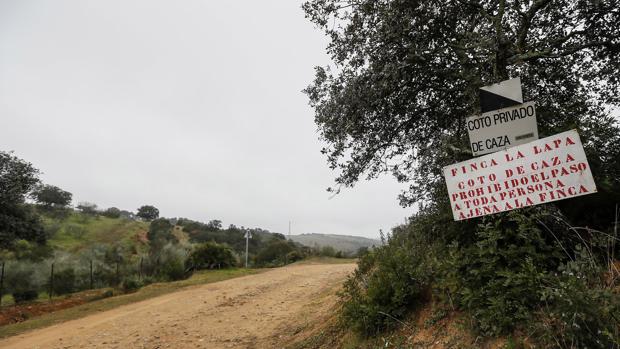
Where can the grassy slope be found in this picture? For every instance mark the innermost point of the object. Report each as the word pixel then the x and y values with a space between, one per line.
pixel 79 231
pixel 154 290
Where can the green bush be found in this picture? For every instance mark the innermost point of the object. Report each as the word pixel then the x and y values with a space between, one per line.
pixel 25 296
pixel 210 255
pixel 294 256
pixel 112 212
pixel 21 283
pixel 524 270
pixel 274 252
pixel 172 270
pixel 64 281
pixel 511 271
pixel 388 283
pixel 131 284
pixel 578 311
pixel 498 277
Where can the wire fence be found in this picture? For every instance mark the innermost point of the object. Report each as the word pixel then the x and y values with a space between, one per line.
pixel 27 281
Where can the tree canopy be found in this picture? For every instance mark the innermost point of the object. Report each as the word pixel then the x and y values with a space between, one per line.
pixel 52 197
pixel 148 212
pixel 160 233
pixel 17 221
pixel 406 74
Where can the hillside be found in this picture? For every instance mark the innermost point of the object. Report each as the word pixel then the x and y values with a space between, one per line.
pixel 78 231
pixel 344 243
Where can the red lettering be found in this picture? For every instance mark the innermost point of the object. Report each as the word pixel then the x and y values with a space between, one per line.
pixel 542 197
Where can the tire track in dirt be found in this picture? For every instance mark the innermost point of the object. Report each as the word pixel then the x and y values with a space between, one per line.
pixel 248 312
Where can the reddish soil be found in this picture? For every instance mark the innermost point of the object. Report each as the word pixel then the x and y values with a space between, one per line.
pixel 22 312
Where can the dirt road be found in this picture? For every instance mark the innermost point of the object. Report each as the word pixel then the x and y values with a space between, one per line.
pixel 256 311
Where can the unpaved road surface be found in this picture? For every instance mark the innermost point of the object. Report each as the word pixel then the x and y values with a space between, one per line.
pixel 257 311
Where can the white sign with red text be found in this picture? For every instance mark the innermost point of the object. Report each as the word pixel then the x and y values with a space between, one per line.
pixel 545 170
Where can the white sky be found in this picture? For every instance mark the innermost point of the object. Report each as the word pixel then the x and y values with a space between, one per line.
pixel 192 106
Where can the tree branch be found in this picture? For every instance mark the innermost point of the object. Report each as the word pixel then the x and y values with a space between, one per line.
pixel 548 53
pixel 524 28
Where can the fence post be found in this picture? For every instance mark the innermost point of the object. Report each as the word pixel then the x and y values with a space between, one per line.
pixel 2 283
pixel 156 266
pixel 91 274
pixel 52 282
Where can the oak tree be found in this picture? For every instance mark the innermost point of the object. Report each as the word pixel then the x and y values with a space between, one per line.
pixel 405 75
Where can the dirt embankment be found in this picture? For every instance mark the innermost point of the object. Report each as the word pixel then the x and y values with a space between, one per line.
pixel 256 311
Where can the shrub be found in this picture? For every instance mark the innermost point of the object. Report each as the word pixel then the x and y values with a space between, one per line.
pixel 294 256
pixel 274 252
pixel 211 255
pixel 579 312
pixel 112 212
pixel 21 283
pixel 511 272
pixel 389 282
pixel 25 296
pixel 131 284
pixel 524 270
pixel 327 251
pixel 64 281
pixel 498 276
pixel 172 270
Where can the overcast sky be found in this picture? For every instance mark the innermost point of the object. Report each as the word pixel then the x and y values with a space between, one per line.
pixel 192 106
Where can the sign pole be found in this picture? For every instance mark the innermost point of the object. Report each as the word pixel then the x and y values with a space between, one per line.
pixel 247 240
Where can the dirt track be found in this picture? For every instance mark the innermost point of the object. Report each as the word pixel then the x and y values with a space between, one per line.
pixel 256 311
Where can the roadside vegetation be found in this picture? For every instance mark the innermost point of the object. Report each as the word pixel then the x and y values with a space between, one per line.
pixel 405 76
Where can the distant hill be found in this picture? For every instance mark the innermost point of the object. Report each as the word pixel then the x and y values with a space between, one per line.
pixel 344 243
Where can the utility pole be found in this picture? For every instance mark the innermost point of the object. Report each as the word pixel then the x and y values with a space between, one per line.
pixel 248 235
